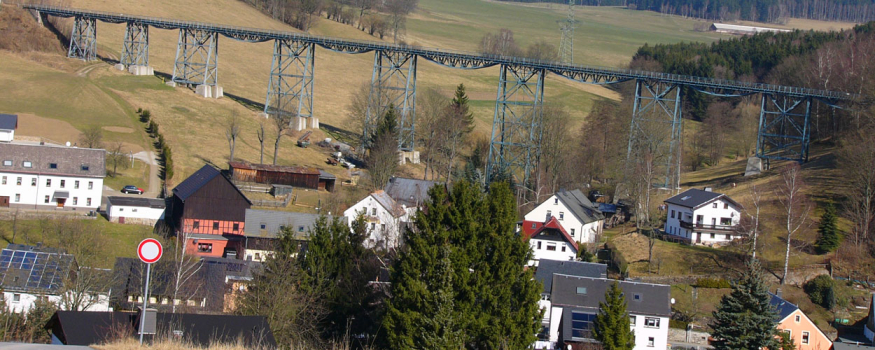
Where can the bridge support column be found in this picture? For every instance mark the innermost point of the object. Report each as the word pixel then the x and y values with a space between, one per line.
pixel 135 50
pixel 197 61
pixel 784 131
pixel 515 147
pixel 83 40
pixel 394 83
pixel 655 133
pixel 290 89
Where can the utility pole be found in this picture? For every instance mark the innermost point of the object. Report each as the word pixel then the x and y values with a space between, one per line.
pixel 566 45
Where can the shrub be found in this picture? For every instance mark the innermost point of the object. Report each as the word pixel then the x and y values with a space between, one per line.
pixel 821 291
pixel 712 283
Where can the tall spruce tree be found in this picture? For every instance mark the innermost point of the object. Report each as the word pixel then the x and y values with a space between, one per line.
pixel 611 326
pixel 744 319
pixel 829 236
pixel 494 299
pixel 382 158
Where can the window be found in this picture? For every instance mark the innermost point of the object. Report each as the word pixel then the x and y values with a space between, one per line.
pixel 83 167
pixel 90 185
pixel 563 248
pixel 16 297
pixel 714 205
pixel 76 184
pixel 712 236
pixel 805 337
pixel 383 227
pixel 728 237
pixel 236 227
pixel 533 225
pixel 18 197
pixel 4 180
pixel 374 211
pixel 205 247
pixel 215 225
pixel 7 163
pixel 301 228
pixel 572 233
pixel 555 201
pixel 798 318
pixel 581 324
pixel 581 290
pixel 551 247
pixel 725 205
pixel 18 181
pixel 32 182
pixel 263 226
pixel 48 182
pixel 134 210
pixel 636 297
pixel 88 201
pixel 258 256
pixel 672 213
pixel 28 164
pixel 561 215
pixel 195 225
pixel 121 209
pixel 549 214
pixel 75 200
pixel 47 199
pixel 63 183
pixel 632 320
pixel 539 245
pixel 373 226
pixel 53 165
pixel 650 342
pixel 651 322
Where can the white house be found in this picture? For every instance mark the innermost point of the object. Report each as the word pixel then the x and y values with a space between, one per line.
pixel 551 242
pixel 580 217
pixel 135 210
pixel 8 124
pixel 262 229
pixel 31 273
pixel 574 304
pixel 51 177
pixel 702 217
pixel 385 219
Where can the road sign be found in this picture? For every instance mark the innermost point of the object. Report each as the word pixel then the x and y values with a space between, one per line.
pixel 149 250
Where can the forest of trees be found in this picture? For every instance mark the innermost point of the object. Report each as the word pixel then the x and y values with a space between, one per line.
pixel 771 11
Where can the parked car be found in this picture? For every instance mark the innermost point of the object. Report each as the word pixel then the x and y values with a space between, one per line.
pixel 132 189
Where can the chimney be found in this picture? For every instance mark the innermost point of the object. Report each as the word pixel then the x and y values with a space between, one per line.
pixel 778 292
pixel 150 322
pixel 708 189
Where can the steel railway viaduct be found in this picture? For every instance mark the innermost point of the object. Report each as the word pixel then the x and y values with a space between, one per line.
pixel 784 128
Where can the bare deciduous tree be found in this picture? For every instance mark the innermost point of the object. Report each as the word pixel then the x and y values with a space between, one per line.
pixel 281 124
pixel 84 284
pixel 796 207
pixel 232 131
pixel 430 110
pixel 398 11
pixel 856 158
pixel 116 156
pixel 92 137
pixel 261 137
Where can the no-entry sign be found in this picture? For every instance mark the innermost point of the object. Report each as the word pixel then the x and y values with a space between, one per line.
pixel 149 250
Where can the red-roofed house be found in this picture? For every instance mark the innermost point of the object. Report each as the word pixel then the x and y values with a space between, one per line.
pixel 550 241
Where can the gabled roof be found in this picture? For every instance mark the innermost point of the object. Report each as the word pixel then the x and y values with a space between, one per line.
pixel 143 202
pixel 580 206
pixel 387 202
pixel 553 229
pixel 547 268
pixel 870 323
pixel 198 180
pixel 529 227
pixel 53 160
pixel 653 299
pixel 8 121
pixel 34 269
pixel 272 220
pixel 782 307
pixel 410 192
pixel 695 198
pixel 274 168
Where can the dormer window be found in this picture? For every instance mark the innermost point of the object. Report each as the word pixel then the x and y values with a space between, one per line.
pixel 53 165
pixel 27 164
pixel 636 297
pixel 7 163
pixel 581 290
pixel 84 167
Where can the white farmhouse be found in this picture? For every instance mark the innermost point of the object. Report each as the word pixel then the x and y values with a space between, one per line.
pixel 385 219
pixel 8 124
pixel 702 217
pixel 574 304
pixel 551 242
pixel 51 177
pixel 135 210
pixel 262 230
pixel 580 217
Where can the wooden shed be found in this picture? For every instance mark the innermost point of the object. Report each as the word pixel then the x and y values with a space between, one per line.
pixel 296 176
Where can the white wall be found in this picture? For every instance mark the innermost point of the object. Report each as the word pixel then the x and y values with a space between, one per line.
pixel 383 228
pixel 586 233
pixel 643 333
pixel 7 135
pixel 569 254
pixel 147 215
pixel 27 300
pixel 709 214
pixel 30 195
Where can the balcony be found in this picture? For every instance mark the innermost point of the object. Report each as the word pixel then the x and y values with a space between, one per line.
pixel 706 227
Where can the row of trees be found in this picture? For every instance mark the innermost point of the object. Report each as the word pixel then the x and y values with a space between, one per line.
pixel 772 11
pixel 503 43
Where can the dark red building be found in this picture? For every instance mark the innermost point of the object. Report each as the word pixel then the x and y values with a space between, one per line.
pixel 210 213
pixel 297 176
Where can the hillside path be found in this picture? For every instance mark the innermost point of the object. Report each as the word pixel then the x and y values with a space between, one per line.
pixel 154 181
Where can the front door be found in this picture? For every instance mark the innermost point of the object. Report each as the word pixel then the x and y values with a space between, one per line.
pixel 4 201
pixel 698 237
pixel 61 202
pixel 121 219
pixel 699 219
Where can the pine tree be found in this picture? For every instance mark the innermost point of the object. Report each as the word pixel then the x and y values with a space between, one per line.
pixel 611 326
pixel 744 319
pixel 462 110
pixel 829 236
pixel 382 158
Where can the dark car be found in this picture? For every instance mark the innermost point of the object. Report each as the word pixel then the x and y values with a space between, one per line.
pixel 132 189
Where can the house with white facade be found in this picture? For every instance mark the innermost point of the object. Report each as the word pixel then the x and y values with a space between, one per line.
pixel 577 214
pixel 31 273
pixel 544 274
pixel 135 210
pixel 8 124
pixel 263 227
pixel 574 304
pixel 51 177
pixel 551 242
pixel 702 217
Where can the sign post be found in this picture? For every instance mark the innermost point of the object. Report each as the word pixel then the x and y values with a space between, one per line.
pixel 149 252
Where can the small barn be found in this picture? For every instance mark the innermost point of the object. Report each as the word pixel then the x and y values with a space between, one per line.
pixel 135 210
pixel 296 176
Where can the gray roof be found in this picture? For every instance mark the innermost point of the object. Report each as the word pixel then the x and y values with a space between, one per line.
pixel 8 121
pixel 389 203
pixel 33 269
pixel 194 182
pixel 53 160
pixel 272 220
pixel 652 299
pixel 580 206
pixel 783 307
pixel 546 269
pixel 694 198
pixel 143 202
pixel 410 192
pixel 851 346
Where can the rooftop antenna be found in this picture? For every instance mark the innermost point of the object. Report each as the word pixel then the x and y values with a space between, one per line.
pixel 566 45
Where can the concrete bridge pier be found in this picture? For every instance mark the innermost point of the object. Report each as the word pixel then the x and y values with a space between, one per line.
pixel 197 62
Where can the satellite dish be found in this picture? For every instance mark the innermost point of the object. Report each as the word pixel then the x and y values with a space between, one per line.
pixel 672 301
pixel 68 143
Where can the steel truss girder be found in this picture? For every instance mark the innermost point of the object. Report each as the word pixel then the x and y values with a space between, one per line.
pixel 515 146
pixel 656 129
pixel 784 130
pixel 290 89
pixel 393 83
pixel 459 61
pixel 135 50
pixel 588 77
pixel 197 58
pixel 83 39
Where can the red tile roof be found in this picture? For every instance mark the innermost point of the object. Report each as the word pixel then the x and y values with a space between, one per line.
pixel 553 223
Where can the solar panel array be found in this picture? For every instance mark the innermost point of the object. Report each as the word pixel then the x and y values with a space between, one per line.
pixel 43 270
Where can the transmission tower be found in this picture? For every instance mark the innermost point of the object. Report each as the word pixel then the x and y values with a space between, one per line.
pixel 566 26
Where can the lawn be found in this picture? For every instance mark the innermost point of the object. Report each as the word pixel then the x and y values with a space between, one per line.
pixel 138 175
